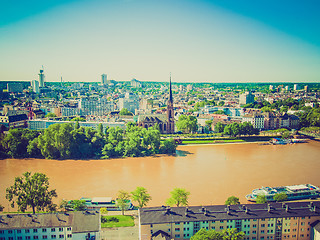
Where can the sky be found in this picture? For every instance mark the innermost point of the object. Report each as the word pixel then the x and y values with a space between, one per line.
pixel 195 40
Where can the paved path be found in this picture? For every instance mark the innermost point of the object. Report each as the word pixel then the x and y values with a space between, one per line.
pixel 125 233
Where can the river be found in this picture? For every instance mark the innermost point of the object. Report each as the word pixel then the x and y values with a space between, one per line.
pixel 211 173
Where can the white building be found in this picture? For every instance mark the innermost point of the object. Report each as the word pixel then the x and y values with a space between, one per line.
pixel 63 226
pixel 257 120
pixel 104 79
pixel 135 83
pixel 35 86
pixel 130 102
pixel 246 98
pixel 97 107
pixel 41 78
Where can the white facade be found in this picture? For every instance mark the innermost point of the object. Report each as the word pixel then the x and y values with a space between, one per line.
pixel 35 86
pixel 97 107
pixel 41 78
pixel 51 226
pixel 104 79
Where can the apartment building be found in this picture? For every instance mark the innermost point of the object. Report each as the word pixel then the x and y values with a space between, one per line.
pixel 51 226
pixel 291 220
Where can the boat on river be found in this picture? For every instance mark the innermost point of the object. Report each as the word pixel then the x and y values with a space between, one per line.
pixel 294 192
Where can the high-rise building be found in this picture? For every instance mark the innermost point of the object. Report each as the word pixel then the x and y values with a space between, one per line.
pixel 246 98
pixel 104 79
pixel 135 83
pixel 41 78
pixel 35 86
pixel 14 87
pixel 296 87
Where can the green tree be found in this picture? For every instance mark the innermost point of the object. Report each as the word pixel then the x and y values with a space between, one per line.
pixel 31 191
pixel 179 197
pixel 78 119
pixel 232 234
pixel 187 124
pixel 141 196
pixel 261 199
pixel 228 234
pixel 64 205
pixel 280 197
pixel 51 115
pixel 125 111
pixel 103 210
pixel 219 127
pixel 17 140
pixel 232 201
pixel 123 200
pixel 77 205
pixel 286 134
pixel 204 234
pixel 100 129
pixel 168 146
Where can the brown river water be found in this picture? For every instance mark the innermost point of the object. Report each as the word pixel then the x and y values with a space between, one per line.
pixel 211 173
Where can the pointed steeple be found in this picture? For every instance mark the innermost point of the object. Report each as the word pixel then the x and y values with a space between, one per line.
pixel 170 97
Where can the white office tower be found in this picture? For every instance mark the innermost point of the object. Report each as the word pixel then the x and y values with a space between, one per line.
pixel 296 87
pixel 41 78
pixel 35 86
pixel 96 107
pixel 104 79
pixel 246 98
pixel 130 102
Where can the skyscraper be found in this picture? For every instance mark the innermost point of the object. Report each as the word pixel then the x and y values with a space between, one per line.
pixel 41 78
pixel 35 86
pixel 104 79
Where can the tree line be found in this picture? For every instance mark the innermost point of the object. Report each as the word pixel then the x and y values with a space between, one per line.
pixel 70 141
pixel 236 129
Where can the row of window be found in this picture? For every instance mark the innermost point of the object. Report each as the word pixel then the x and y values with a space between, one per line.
pixel 37 237
pixel 36 230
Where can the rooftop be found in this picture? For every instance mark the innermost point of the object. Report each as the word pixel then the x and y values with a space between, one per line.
pixel 86 221
pixel 164 214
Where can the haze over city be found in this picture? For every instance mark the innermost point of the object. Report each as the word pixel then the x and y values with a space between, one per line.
pixel 198 41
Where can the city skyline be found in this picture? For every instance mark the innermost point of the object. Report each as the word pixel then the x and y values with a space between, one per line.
pixel 198 41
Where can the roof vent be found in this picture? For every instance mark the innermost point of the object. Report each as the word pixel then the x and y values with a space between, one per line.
pixel 246 210
pixel 269 208
pixel 283 205
pixel 287 208
pixel 203 209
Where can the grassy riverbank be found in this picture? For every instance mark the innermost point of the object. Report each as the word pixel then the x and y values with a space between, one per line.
pixel 188 141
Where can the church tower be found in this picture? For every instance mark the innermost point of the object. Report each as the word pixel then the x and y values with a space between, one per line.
pixel 170 112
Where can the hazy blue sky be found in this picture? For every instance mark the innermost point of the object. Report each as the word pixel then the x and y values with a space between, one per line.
pixel 196 40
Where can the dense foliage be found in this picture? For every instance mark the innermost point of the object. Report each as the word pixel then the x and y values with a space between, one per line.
pixel 235 129
pixel 187 124
pixel 70 141
pixel 211 234
pixel 31 191
pixel 179 197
